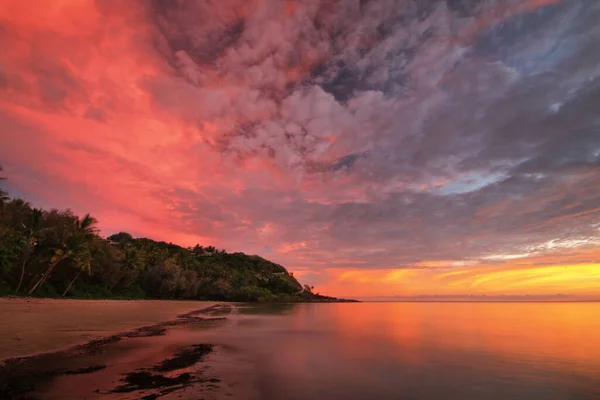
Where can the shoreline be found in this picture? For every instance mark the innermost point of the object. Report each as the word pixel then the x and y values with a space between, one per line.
pixel 23 375
pixel 323 300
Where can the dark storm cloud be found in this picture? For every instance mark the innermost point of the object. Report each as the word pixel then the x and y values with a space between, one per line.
pixel 439 143
pixel 346 161
pixel 178 23
pixel 464 8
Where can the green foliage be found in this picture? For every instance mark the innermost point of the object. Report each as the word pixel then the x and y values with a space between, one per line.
pixel 47 290
pixel 87 291
pixel 50 253
pixel 5 290
pixel 11 245
pixel 121 238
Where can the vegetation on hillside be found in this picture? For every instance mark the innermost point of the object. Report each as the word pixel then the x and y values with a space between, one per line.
pixel 57 253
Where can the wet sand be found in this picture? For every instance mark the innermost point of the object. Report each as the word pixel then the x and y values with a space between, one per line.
pixel 143 363
pixel 31 326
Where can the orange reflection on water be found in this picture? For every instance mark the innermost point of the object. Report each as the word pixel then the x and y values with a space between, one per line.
pixel 556 335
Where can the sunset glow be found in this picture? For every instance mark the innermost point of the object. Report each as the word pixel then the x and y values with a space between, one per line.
pixel 373 155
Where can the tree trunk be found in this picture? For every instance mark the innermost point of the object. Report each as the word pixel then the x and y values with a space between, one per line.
pixel 116 283
pixel 71 284
pixel 31 281
pixel 45 276
pixel 113 286
pixel 22 275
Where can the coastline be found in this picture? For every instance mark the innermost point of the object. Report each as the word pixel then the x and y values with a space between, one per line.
pixel 315 299
pixel 40 325
pixel 27 374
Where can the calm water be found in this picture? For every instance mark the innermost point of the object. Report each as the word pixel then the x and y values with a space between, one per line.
pixel 529 351
pixel 419 351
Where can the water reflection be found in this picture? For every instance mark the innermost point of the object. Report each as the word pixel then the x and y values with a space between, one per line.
pixel 491 351
pixel 429 351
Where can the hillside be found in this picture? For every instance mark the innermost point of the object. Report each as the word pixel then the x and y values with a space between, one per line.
pixel 56 253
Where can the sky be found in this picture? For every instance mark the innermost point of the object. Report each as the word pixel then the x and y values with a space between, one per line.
pixel 376 148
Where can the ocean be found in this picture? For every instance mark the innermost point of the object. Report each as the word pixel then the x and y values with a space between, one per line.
pixel 352 351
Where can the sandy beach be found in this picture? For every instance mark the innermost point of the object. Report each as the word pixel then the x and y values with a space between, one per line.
pixel 33 325
pixel 117 361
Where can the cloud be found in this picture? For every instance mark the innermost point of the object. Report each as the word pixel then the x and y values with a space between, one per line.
pixel 369 136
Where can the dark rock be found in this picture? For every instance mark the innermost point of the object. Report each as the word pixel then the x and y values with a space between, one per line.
pixel 145 380
pixel 87 370
pixel 185 358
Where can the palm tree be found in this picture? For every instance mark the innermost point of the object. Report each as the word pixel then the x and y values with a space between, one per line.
pixel 84 262
pixel 77 248
pixel 30 241
pixel 86 226
pixel 130 263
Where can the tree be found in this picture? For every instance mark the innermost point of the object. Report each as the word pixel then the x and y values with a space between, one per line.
pixel 198 250
pixel 162 278
pixel 88 232
pixel 83 262
pixel 11 245
pixel 30 242
pixel 76 247
pixel 123 239
pixel 86 226
pixel 131 264
pixel 210 249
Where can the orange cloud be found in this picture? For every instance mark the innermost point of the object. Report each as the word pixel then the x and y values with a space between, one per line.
pixel 533 276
